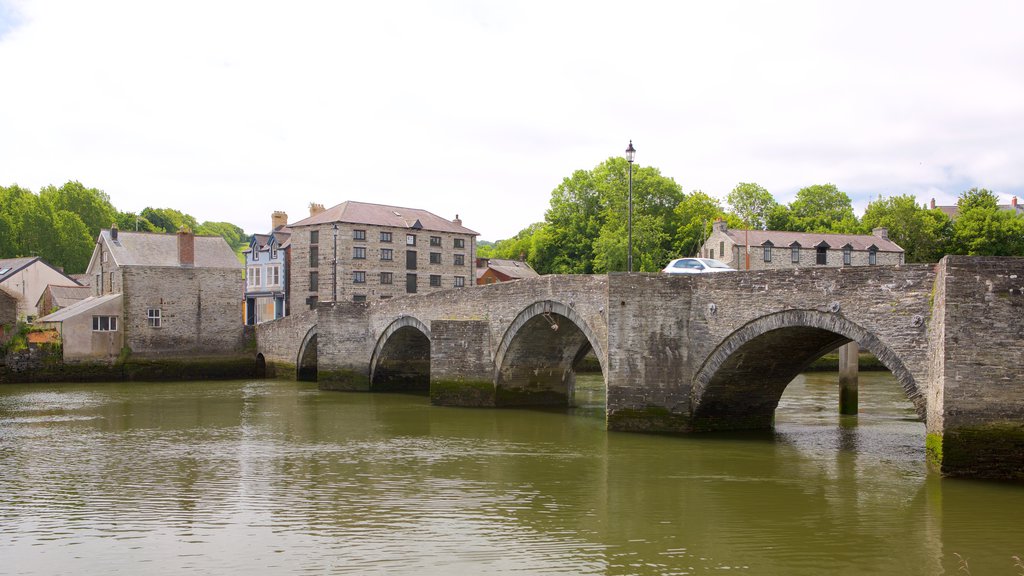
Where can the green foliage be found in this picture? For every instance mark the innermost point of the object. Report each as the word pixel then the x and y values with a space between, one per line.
pixel 695 216
pixel 821 208
pixel 981 228
pixel 923 234
pixel 61 224
pixel 753 204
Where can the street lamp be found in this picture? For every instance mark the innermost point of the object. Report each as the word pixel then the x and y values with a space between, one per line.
pixel 630 154
pixel 334 267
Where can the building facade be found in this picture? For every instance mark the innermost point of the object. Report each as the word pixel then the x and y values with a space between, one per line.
pixel 494 270
pixel 266 272
pixel 359 251
pixel 771 249
pixel 26 279
pixel 180 292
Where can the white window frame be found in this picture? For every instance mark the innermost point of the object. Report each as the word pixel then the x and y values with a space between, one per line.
pixel 99 321
pixel 154 317
pixel 273 275
pixel 460 281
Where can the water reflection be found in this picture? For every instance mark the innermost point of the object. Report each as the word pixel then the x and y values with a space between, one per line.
pixel 276 477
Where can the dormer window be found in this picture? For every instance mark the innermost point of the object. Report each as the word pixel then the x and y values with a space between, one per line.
pixel 873 256
pixel 847 255
pixel 794 253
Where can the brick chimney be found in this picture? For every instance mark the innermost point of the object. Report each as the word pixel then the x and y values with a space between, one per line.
pixel 186 247
pixel 1013 202
pixel 315 208
pixel 113 230
pixel 880 232
pixel 931 204
pixel 458 221
pixel 278 219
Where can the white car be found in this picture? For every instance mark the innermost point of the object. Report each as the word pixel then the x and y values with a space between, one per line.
pixel 696 266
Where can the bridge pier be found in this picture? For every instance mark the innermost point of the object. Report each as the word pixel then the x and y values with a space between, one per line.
pixel 343 346
pixel 461 370
pixel 849 365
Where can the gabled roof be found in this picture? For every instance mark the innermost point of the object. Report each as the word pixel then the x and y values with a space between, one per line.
pixel 512 268
pixel 382 215
pixel 77 308
pixel 161 250
pixel 780 238
pixel 64 296
pixel 11 266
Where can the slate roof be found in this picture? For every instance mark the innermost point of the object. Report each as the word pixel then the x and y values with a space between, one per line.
pixel 282 235
pixel 161 250
pixel 811 239
pixel 11 266
pixel 64 296
pixel 512 268
pixel 382 215
pixel 77 308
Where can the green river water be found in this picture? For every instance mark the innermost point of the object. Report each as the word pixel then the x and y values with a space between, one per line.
pixel 276 477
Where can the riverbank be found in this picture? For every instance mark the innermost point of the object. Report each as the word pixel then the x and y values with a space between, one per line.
pixel 131 370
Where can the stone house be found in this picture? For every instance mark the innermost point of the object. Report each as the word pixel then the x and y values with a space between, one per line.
pixel 8 315
pixel 359 251
pixel 55 298
pixel 494 270
pixel 179 294
pixel 26 279
pixel 266 272
pixel 771 249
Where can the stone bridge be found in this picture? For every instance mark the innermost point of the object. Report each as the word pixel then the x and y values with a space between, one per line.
pixel 695 353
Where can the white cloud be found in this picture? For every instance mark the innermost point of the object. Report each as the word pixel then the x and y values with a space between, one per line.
pixel 230 110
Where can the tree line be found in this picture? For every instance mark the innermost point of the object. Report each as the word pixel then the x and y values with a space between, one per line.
pixel 585 229
pixel 61 224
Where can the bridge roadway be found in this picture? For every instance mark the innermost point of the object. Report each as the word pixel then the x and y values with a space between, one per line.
pixel 695 353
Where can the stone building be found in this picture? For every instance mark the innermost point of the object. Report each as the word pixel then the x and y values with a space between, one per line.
pixel 266 272
pixel 89 329
pixel 494 270
pixel 26 279
pixel 179 294
pixel 8 315
pixel 359 251
pixel 771 249
pixel 55 298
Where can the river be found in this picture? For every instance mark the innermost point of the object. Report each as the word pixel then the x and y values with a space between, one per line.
pixel 276 477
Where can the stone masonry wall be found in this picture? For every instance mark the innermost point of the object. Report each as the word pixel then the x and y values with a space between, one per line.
pixel 279 340
pixel 200 309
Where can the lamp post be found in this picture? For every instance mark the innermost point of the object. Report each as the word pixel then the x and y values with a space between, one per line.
pixel 630 154
pixel 334 267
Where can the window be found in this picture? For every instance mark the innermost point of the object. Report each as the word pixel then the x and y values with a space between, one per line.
pixel 712 253
pixel 385 236
pixel 359 234
pixel 410 239
pixel 153 317
pixel 435 280
pixel 104 323
pixel 359 297
pixel 273 252
pixel 314 236
pixel 821 256
pixel 410 283
pixel 435 257
pixel 386 278
pixel 314 256
pixel 359 253
pixel 359 277
pixel 847 255
pixel 767 252
pixel 273 275
pixel 460 259
pixel 435 240
pixel 410 259
pixel 314 281
pixel 255 253
pixel 252 276
pixel 460 281
pixel 794 254
pixel 387 254
pixel 460 243
pixel 721 248
pixel 872 257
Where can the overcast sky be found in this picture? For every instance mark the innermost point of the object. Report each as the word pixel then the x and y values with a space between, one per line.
pixel 231 110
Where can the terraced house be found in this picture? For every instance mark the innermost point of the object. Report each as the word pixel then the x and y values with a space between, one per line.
pixel 266 272
pixel 360 251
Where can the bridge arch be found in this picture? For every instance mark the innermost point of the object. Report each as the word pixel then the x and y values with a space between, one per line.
pixel 740 383
pixel 534 360
pixel 401 357
pixel 306 361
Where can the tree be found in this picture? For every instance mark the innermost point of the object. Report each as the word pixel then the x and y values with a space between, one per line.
pixel 752 203
pixel 982 228
pixel 71 246
pixel 923 234
pixel 91 205
pixel 695 216
pixel 820 208
pixel 169 219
